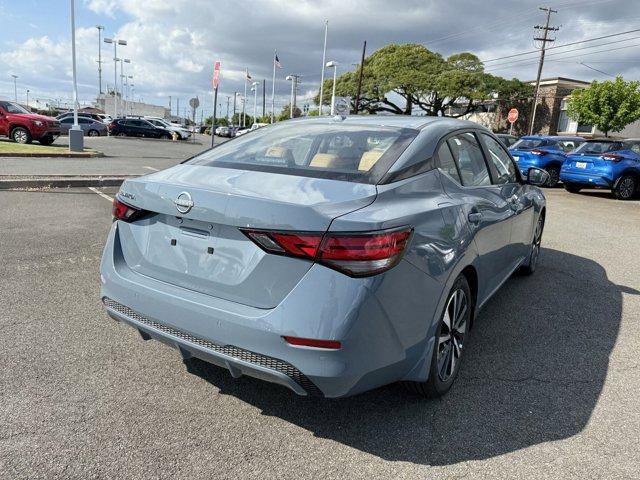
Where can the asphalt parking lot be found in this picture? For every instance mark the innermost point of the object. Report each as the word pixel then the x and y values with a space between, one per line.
pixel 549 387
pixel 123 156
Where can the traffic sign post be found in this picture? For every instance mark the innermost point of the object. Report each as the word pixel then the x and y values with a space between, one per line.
pixel 512 116
pixel 216 82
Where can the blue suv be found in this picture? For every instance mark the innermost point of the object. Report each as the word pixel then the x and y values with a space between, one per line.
pixel 604 164
pixel 544 151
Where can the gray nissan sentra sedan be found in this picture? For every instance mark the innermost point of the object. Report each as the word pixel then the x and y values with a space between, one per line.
pixel 328 255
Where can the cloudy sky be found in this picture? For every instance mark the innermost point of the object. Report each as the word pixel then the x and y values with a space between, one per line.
pixel 173 43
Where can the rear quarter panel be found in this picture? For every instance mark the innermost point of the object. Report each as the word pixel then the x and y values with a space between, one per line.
pixel 440 247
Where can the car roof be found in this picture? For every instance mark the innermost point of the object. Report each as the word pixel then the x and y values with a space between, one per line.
pixel 551 137
pixel 399 121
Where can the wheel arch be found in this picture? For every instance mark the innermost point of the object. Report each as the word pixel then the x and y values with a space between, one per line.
pixel 471 275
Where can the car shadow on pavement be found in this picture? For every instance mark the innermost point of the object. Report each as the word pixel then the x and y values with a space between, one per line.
pixel 534 370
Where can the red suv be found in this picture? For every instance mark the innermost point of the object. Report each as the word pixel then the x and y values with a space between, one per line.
pixel 22 126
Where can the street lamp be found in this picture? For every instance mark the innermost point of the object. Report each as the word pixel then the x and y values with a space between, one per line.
pixel 292 79
pixel 115 42
pixel 254 89
pixel 15 87
pixel 76 136
pixel 100 28
pixel 27 99
pixel 122 77
pixel 333 65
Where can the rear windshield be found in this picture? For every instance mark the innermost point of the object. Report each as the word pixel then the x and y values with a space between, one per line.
pixel 528 144
pixel 359 153
pixel 597 147
pixel 531 143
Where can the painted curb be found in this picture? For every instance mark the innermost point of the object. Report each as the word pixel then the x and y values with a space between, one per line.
pixel 52 155
pixel 8 183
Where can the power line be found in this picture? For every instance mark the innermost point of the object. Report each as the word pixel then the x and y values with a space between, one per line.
pixel 595 69
pixel 516 62
pixel 570 56
pixel 562 46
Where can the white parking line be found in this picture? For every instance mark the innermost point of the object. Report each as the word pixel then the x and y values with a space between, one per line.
pixel 103 195
pixel 151 168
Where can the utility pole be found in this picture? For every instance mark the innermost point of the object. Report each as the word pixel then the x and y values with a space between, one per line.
pixel 294 90
pixel 170 112
pixel 364 49
pixel 544 39
pixel 228 98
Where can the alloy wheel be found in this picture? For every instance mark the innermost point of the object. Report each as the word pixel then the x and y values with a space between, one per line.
pixel 20 136
pixel 452 332
pixel 626 187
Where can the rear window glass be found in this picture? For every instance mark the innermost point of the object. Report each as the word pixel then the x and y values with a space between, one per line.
pixel 528 144
pixel 597 147
pixel 360 153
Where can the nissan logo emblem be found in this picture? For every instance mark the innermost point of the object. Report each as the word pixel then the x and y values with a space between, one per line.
pixel 183 202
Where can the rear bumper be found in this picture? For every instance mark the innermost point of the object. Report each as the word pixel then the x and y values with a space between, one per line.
pixel 383 327
pixel 587 179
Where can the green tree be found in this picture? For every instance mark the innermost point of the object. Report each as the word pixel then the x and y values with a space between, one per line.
pixel 398 78
pixel 285 113
pixel 609 105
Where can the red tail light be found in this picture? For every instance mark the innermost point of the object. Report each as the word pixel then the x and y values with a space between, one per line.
pixel 612 157
pixel 311 342
pixel 356 254
pixel 537 151
pixel 124 212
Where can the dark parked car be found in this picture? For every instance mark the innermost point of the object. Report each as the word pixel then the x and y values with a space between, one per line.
pixel 137 127
pixel 506 139
pixel 91 127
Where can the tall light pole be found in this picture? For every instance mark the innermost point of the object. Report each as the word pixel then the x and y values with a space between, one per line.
pixel 333 65
pixel 122 76
pixel 100 28
pixel 76 140
pixel 129 85
pixel 235 98
pixel 254 87
pixel 228 98
pixel 27 99
pixel 115 42
pixel 15 87
pixel 324 56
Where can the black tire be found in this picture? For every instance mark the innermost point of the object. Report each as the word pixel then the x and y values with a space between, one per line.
pixel 121 134
pixel 93 133
pixel 625 188
pixel 534 253
pixel 166 136
pixel 554 176
pixel 572 187
pixel 447 353
pixel 21 135
pixel 46 140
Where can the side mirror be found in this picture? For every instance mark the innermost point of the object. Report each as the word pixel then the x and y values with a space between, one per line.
pixel 537 177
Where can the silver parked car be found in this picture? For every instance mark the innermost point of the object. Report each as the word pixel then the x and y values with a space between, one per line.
pixel 328 255
pixel 91 127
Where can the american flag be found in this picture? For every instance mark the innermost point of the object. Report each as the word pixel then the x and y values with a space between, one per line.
pixel 276 61
pixel 248 76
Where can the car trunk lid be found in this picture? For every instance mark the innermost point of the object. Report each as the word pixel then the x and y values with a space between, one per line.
pixel 202 248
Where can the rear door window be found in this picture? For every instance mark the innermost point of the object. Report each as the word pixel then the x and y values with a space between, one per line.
pixel 446 162
pixel 469 158
pixel 505 170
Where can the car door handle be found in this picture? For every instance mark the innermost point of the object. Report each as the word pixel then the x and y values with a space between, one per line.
pixel 474 217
